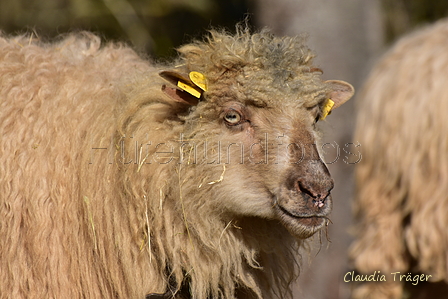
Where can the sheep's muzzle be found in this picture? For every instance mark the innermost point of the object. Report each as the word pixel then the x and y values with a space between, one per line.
pixel 304 200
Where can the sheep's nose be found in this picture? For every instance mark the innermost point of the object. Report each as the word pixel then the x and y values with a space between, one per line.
pixel 318 190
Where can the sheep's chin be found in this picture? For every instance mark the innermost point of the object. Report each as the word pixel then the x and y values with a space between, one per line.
pixel 301 227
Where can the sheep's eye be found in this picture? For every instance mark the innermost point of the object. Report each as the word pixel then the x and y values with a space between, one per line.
pixel 232 117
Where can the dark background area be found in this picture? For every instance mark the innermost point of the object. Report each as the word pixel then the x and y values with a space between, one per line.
pixel 153 26
pixel 158 26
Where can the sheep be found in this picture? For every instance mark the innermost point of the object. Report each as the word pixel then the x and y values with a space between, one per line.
pixel 125 178
pixel 401 200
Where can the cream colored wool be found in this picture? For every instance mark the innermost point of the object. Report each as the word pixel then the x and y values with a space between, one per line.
pixel 99 200
pixel 402 181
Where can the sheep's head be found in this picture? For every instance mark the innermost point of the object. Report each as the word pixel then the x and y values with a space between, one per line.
pixel 257 114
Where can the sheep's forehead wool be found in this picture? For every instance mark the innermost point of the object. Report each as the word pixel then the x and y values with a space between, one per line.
pixel 260 66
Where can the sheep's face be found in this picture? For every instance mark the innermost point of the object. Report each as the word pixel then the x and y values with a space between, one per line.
pixel 274 169
pixel 256 155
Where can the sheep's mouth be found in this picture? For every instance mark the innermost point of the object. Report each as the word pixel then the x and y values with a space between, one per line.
pixel 306 220
pixel 301 225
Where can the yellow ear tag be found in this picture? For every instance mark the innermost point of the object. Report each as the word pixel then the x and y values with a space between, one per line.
pixel 190 89
pixel 327 109
pixel 198 79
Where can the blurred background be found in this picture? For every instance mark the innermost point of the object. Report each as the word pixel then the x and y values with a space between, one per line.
pixel 347 35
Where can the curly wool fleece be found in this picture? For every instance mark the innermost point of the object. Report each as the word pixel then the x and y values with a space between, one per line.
pixel 86 213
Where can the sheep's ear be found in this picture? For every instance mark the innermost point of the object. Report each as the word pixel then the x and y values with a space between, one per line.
pixel 173 77
pixel 180 96
pixel 340 92
pixel 188 89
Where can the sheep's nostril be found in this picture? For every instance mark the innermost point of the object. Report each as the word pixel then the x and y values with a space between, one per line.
pixel 301 187
pixel 318 192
